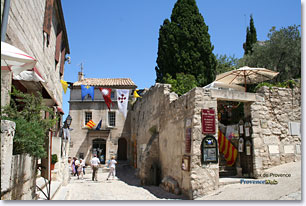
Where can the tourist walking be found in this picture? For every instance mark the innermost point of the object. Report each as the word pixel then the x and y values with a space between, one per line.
pixel 95 166
pixel 77 165
pixel 81 168
pixel 112 166
pixel 73 166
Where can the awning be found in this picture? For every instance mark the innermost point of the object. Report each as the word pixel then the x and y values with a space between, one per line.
pixel 17 60
pixel 29 75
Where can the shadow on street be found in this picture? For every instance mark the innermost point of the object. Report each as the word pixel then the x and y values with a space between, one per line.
pixel 126 173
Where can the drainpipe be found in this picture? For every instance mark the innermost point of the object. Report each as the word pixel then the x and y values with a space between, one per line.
pixel 5 14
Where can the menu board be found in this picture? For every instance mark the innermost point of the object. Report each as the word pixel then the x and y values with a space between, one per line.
pixel 208 121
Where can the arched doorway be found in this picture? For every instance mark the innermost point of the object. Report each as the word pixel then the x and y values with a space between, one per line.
pixel 99 148
pixel 122 149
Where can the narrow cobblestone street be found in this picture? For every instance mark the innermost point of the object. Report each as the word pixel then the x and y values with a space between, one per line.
pixel 126 187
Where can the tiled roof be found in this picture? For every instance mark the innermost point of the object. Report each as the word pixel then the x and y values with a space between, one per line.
pixel 121 82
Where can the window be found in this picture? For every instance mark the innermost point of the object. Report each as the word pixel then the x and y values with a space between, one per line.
pixel 88 116
pixel 112 95
pixel 112 119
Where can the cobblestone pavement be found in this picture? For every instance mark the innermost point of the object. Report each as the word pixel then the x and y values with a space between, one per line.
pixel 126 187
pixel 287 188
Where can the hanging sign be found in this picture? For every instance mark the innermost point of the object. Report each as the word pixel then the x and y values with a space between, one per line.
pixel 208 121
pixel 248 146
pixel 240 145
pixel 247 128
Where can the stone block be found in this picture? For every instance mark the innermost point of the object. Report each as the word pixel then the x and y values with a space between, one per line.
pixel 264 124
pixel 258 163
pixel 298 149
pixel 270 140
pixel 273 149
pixel 7 134
pixel 258 143
pixel 289 149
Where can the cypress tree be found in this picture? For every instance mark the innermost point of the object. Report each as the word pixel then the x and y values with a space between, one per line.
pixel 251 38
pixel 184 45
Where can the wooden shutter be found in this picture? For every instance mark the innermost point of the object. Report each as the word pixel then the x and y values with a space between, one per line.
pixel 62 61
pixel 48 16
pixel 58 46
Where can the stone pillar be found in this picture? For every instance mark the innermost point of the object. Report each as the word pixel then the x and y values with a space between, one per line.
pixel 6 84
pixel 7 134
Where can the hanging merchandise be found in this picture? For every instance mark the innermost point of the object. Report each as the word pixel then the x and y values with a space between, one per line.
pixel 64 85
pixel 122 99
pixel 106 93
pixel 247 129
pixel 248 146
pixel 227 148
pixel 87 90
pixel 241 128
pixel 241 144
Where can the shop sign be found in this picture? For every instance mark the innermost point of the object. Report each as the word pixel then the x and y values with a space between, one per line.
pixel 188 140
pixel 209 150
pixel 208 121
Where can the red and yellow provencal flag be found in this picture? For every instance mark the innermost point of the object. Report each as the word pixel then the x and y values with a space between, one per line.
pixel 90 124
pixel 226 147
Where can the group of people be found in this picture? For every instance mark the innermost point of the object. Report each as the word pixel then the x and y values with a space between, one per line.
pixel 78 167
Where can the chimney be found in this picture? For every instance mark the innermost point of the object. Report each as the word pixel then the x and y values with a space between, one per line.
pixel 80 76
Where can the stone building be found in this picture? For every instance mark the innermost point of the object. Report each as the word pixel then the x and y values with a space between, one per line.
pixel 112 139
pixel 167 135
pixel 38 28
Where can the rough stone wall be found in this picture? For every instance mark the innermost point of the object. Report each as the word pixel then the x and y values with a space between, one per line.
pixel 273 142
pixel 204 177
pixel 18 172
pixel 165 112
pixel 25 31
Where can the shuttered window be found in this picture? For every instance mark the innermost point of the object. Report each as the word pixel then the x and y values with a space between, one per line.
pixel 58 46
pixel 62 61
pixel 48 16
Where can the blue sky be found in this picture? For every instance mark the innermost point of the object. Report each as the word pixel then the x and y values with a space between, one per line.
pixel 119 38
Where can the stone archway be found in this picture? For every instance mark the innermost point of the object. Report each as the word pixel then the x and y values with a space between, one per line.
pixel 122 149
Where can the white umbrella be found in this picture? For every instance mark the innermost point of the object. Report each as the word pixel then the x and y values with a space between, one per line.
pixel 16 59
pixel 246 75
pixel 221 85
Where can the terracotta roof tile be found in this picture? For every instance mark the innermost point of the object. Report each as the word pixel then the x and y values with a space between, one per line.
pixel 121 82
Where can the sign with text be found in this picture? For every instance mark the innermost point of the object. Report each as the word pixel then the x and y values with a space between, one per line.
pixel 208 121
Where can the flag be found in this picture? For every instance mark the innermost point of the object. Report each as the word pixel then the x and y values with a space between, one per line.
pixel 64 85
pixel 122 99
pixel 99 125
pixel 228 150
pixel 90 124
pixel 136 95
pixel 106 93
pixel 85 89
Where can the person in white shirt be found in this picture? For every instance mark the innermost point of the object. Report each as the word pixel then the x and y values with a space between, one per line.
pixel 81 168
pixel 112 165
pixel 77 165
pixel 95 166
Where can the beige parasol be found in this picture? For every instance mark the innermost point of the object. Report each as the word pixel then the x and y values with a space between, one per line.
pixel 246 75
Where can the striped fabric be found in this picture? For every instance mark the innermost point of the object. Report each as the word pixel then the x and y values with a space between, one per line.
pixel 90 124
pixel 228 150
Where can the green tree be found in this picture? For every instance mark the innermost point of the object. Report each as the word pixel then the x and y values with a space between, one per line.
pixel 251 37
pixel 281 53
pixel 31 129
pixel 226 63
pixel 184 45
pixel 182 84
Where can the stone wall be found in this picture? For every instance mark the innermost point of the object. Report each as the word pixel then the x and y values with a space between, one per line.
pixel 274 144
pixel 18 172
pixel 28 36
pixel 159 117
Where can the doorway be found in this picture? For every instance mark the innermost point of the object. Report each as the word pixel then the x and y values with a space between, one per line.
pixel 99 148
pixel 233 124
pixel 122 149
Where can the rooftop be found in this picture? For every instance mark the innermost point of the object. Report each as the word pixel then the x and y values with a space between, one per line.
pixel 115 82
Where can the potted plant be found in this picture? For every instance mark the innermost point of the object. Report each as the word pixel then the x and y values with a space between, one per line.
pixel 53 161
